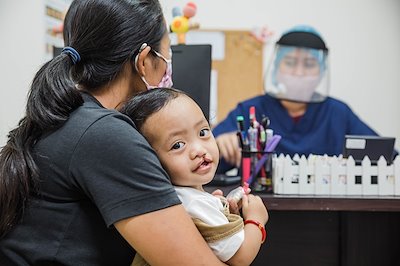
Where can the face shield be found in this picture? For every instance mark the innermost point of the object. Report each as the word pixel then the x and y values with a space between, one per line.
pixel 298 74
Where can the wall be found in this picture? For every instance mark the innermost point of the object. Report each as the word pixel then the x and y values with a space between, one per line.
pixel 363 37
pixel 22 52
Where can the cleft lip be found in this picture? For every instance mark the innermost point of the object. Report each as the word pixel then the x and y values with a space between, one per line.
pixel 202 161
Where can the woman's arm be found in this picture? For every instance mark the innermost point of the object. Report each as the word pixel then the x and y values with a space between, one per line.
pixel 249 248
pixel 253 209
pixel 167 237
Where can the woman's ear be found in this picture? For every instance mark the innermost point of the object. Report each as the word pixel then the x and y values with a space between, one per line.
pixel 140 62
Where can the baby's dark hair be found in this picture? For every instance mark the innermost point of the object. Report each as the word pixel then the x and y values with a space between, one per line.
pixel 144 104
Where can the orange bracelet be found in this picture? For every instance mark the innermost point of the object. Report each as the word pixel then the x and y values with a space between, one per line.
pixel 262 229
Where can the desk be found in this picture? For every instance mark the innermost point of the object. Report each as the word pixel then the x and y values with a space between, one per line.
pixel 330 230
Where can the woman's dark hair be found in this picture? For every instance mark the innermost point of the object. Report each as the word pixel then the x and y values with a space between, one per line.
pixel 143 105
pixel 106 34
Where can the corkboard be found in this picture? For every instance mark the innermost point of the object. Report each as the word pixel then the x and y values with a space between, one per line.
pixel 240 73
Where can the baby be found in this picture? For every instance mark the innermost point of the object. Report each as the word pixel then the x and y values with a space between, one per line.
pixel 178 131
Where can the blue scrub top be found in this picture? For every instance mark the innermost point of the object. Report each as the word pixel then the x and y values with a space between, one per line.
pixel 320 130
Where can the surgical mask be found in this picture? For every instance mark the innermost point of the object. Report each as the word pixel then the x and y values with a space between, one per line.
pixel 297 88
pixel 166 80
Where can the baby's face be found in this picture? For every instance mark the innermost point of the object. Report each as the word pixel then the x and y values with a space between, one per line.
pixel 182 138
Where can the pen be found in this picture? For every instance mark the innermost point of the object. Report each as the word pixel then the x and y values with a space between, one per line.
pixel 265 121
pixel 240 127
pixel 240 138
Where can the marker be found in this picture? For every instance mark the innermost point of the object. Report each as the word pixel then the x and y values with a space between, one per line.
pixel 269 134
pixel 252 113
pixel 246 164
pixel 273 143
pixel 252 117
pixel 240 121
pixel 263 138
pixel 252 134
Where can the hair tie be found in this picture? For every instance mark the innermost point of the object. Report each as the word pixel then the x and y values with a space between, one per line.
pixel 72 53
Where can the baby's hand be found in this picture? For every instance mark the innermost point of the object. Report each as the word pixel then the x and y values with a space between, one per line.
pixel 235 198
pixel 254 209
pixel 217 193
pixel 238 193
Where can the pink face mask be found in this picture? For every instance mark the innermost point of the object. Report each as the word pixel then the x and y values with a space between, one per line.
pixel 297 88
pixel 166 80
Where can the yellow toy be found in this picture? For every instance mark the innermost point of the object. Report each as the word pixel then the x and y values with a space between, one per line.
pixel 180 23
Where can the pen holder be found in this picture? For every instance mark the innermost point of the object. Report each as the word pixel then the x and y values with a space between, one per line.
pixel 256 170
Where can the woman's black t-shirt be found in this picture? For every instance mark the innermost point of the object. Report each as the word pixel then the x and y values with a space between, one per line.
pixel 94 171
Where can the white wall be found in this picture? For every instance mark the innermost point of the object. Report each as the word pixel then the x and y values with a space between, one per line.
pixel 363 37
pixel 21 52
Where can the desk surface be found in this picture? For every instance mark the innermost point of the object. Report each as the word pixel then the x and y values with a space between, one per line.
pixel 329 230
pixel 324 203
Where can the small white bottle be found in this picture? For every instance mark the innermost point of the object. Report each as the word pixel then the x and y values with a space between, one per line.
pixel 237 194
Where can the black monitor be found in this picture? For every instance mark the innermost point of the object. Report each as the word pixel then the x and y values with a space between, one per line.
pixel 191 72
pixel 372 146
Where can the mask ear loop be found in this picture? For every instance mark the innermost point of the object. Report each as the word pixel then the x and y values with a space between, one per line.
pixel 142 47
pixel 163 58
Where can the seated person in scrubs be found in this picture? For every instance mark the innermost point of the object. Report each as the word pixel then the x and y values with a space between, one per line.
pixel 296 102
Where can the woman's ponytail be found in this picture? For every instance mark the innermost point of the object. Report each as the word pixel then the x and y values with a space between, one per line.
pixel 106 46
pixel 51 99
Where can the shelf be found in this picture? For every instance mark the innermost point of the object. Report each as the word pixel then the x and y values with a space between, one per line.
pixel 331 203
pixel 275 202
